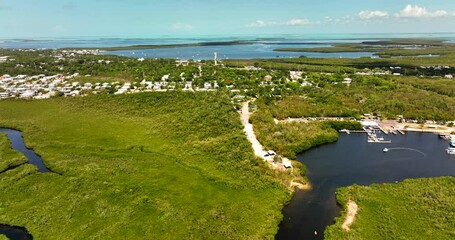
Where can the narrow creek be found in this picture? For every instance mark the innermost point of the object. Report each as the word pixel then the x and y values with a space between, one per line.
pixel 15 233
pixel 352 160
pixel 17 142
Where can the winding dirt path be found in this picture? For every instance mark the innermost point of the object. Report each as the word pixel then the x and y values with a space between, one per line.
pixel 248 129
pixel 260 152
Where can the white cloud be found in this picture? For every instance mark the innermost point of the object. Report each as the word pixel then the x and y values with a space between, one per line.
pixel 328 19
pixel 299 22
pixel 182 26
pixel 415 11
pixel 338 21
pixel 257 24
pixel 373 14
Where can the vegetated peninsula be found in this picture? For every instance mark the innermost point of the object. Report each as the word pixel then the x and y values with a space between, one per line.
pixel 413 209
pixel 200 44
pixel 267 41
pixel 387 48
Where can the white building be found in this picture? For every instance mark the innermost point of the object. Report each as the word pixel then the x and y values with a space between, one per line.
pixel 165 77
pixel 347 81
pixel 188 86
pixel 296 75
pixel 367 124
pixel 207 86
pixel 28 94
pixel 4 95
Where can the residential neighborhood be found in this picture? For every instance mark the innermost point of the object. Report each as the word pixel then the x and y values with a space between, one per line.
pixel 43 87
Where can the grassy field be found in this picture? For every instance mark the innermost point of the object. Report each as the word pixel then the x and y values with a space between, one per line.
pixel 413 209
pixel 144 166
pixel 8 157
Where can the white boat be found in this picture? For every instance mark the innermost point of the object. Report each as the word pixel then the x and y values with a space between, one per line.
pixel 376 140
pixel 385 150
pixel 452 141
pixel 450 151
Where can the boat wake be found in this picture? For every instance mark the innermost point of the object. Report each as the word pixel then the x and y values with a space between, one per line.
pixel 407 149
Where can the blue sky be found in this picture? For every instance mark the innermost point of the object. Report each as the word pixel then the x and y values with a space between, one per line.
pixel 142 18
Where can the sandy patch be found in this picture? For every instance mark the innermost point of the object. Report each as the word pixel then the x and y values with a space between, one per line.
pixel 353 208
pixel 300 186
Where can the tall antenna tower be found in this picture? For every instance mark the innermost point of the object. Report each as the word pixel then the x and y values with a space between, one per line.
pixel 216 58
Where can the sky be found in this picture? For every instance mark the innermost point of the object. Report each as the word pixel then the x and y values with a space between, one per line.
pixel 152 18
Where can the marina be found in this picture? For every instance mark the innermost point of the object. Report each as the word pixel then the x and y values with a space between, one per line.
pixel 373 137
pixel 371 130
pixel 350 161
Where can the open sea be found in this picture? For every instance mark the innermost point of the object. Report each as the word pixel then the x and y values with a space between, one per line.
pixel 263 47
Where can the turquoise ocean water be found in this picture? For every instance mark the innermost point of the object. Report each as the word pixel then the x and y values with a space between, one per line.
pixel 263 47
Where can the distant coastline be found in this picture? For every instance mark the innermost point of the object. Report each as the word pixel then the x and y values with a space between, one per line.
pixel 156 42
pixel 200 44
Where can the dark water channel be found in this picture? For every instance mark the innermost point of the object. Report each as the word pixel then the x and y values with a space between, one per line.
pixel 352 160
pixel 15 233
pixel 17 142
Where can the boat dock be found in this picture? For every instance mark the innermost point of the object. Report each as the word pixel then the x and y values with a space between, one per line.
pixel 373 138
pixel 384 131
pixel 345 131
pixel 395 130
pixel 352 131
pixel 371 127
pixel 357 131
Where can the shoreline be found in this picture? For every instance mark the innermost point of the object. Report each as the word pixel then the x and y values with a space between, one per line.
pixel 387 125
pixel 160 46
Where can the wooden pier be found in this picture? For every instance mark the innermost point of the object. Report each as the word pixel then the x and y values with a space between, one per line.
pixel 384 131
pixel 401 132
pixel 357 131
